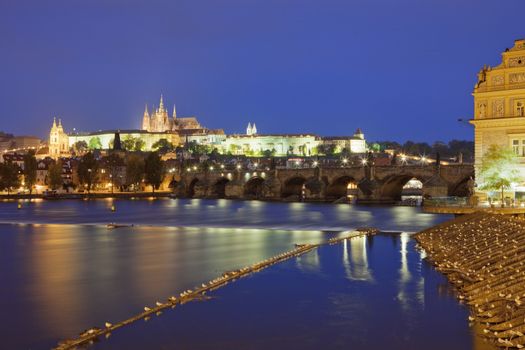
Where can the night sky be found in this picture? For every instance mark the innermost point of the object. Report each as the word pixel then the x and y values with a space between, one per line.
pixel 398 69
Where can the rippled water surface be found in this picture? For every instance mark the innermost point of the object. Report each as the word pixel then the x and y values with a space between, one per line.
pixel 63 271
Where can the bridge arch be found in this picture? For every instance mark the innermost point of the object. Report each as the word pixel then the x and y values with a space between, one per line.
pixel 460 189
pixel 219 187
pixel 253 188
pixel 191 188
pixel 293 186
pixel 173 184
pixel 341 187
pixel 394 187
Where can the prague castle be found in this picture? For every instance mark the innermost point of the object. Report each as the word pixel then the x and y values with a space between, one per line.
pixel 499 106
pixel 159 120
pixel 158 125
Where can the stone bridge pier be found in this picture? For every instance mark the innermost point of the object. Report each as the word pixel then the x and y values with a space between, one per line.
pixel 374 184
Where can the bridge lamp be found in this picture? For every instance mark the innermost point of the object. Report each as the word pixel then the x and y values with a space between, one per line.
pixel 363 161
pixel 345 160
pixel 211 168
pixel 188 170
pixel 194 168
pixel 314 163
pixel 256 165
pixel 238 166
pixel 403 158
pixel 423 159
pixel 222 166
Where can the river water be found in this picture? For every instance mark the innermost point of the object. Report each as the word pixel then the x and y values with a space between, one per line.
pixel 63 271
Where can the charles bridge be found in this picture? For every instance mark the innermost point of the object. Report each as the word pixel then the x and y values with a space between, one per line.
pixel 366 183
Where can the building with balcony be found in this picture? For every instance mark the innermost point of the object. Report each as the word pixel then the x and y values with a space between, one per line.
pixel 499 106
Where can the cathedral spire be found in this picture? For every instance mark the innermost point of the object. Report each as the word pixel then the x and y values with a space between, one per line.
pixel 146 110
pixel 174 112
pixel 161 105
pixel 54 122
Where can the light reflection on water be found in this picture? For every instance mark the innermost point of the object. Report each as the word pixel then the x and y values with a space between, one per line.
pixel 310 304
pixel 220 213
pixel 59 279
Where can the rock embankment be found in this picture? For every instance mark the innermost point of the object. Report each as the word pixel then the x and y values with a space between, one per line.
pixel 483 255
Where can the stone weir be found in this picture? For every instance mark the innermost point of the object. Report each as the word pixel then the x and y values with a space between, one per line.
pixel 483 256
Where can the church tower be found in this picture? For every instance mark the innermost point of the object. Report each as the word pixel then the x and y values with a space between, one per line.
pixel 159 120
pixel 146 120
pixel 58 140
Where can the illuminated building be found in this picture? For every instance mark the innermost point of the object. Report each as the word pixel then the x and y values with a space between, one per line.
pixel 58 141
pixel 499 106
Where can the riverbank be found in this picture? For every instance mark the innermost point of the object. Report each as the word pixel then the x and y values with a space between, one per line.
pixel 92 195
pixel 483 256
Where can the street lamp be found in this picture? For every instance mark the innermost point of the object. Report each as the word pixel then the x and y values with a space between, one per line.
pixel 111 182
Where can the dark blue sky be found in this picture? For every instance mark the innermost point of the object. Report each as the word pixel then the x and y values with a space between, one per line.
pixel 399 69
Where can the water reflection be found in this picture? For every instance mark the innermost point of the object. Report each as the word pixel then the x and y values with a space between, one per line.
pixel 60 279
pixel 356 262
pixel 292 307
pixel 221 213
pixel 309 262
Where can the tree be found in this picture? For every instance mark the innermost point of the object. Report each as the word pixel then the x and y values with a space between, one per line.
pixel 30 167
pixel 197 149
pixel 112 164
pixel 134 170
pixel 131 143
pixel 94 143
pixel 235 149
pixel 375 147
pixel 499 169
pixel 9 176
pixel 153 170
pixel 80 147
pixel 55 175
pixel 87 170
pixel 163 146
pixel 139 144
pixel 269 153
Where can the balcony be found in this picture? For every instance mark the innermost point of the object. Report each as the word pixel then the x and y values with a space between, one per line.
pixel 512 86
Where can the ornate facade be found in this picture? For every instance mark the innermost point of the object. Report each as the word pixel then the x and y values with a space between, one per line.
pixel 499 106
pixel 160 121
pixel 58 141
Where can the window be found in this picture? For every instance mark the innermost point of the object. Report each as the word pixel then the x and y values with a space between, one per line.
pixel 516 146
pixel 519 108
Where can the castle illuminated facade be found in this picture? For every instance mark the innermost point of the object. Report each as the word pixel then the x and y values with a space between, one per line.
pixel 499 106
pixel 159 125
pixel 160 121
